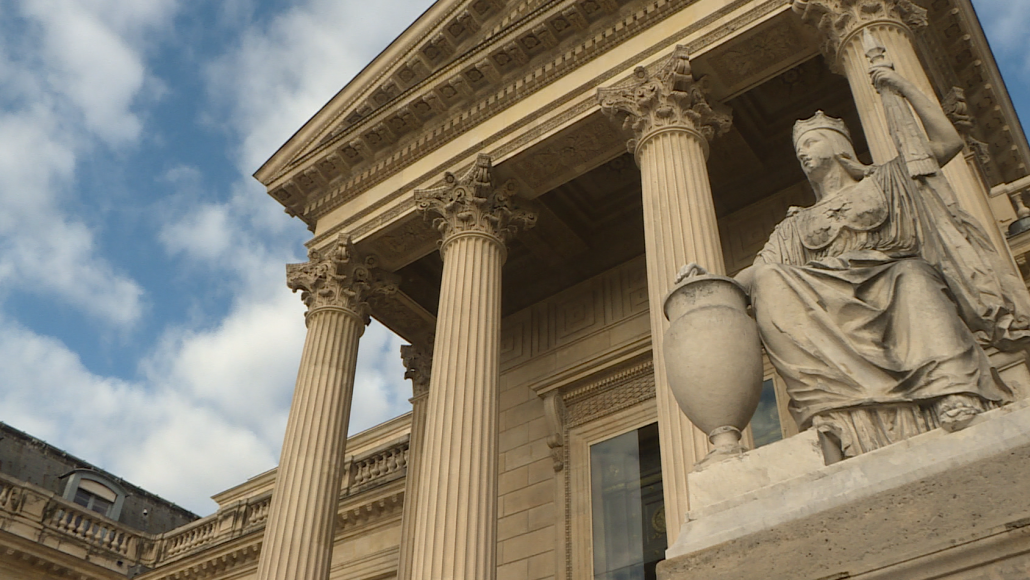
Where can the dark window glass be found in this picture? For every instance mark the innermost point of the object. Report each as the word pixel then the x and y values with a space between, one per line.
pixel 91 501
pixel 765 425
pixel 628 506
pixel 82 497
pixel 100 505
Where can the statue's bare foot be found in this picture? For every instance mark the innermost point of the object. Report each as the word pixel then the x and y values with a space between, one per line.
pixel 956 415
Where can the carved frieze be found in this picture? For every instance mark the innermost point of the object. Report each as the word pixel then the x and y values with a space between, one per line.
pixel 338 276
pixel 472 204
pixel 669 97
pixel 837 19
pixel 558 156
pixel 506 95
pixel 760 54
pixel 616 391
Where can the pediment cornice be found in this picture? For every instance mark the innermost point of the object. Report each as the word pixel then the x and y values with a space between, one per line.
pixel 443 37
pixel 412 101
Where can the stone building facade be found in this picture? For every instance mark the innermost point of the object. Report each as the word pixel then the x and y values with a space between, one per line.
pixel 511 186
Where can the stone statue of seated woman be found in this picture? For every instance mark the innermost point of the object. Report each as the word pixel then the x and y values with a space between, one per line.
pixel 874 304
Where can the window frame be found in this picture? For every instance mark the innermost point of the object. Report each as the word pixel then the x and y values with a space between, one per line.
pixel 581 513
pixel 75 479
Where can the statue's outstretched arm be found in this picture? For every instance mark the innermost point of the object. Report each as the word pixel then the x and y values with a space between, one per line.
pixel 945 142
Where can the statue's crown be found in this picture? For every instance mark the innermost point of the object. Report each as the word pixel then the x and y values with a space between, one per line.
pixel 819 120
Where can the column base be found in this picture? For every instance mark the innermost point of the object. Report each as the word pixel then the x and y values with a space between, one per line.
pixel 928 507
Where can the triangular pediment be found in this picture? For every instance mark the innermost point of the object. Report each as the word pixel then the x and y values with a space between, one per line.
pixel 452 53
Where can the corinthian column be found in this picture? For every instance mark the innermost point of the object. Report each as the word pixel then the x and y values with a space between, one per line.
pixel 672 123
pixel 843 24
pixel 417 364
pixel 456 517
pixel 335 285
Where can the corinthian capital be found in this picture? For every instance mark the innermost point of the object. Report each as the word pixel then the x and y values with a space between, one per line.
pixel 671 97
pixel 417 366
pixel 338 276
pixel 472 204
pixel 837 19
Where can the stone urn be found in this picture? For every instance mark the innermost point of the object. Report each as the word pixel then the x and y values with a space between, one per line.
pixel 713 359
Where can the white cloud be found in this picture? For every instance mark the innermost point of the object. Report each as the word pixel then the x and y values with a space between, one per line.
pixel 283 72
pixel 71 75
pixel 209 406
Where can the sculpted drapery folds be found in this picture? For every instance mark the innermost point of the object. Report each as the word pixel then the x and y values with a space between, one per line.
pixel 671 97
pixel 874 304
pixel 338 276
pixel 837 19
pixel 471 204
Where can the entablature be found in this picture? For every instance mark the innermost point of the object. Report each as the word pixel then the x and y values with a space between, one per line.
pixel 432 113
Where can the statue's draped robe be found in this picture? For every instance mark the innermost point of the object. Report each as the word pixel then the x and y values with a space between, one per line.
pixel 873 304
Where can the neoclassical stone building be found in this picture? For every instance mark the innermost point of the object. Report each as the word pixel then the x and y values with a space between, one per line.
pixel 511 186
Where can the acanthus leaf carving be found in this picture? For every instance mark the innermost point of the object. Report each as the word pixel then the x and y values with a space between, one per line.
pixel 472 204
pixel 669 97
pixel 338 276
pixel 418 364
pixel 837 19
pixel 957 110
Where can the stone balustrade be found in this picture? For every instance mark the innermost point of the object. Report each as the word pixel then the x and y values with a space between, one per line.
pixel 378 466
pixel 195 534
pixel 42 516
pixel 99 532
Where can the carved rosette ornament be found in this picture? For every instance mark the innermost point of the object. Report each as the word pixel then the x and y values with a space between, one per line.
pixel 417 366
pixel 337 276
pixel 471 205
pixel 840 19
pixel 669 98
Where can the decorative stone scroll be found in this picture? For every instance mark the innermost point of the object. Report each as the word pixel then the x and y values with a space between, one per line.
pixel 670 97
pixel 838 19
pixel 338 276
pixel 471 204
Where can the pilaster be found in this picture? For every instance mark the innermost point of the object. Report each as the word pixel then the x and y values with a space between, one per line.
pixel 335 284
pixel 455 535
pixel 891 23
pixel 672 123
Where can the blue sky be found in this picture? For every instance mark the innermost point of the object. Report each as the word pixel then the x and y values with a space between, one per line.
pixel 145 324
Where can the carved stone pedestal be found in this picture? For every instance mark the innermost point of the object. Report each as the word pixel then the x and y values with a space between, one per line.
pixel 938 505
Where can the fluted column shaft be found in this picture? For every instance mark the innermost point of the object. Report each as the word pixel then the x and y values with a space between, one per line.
pixel 455 536
pixel 298 539
pixel 892 28
pixel 412 481
pixel 335 284
pixel 672 123
pixel 679 227
pixel 456 516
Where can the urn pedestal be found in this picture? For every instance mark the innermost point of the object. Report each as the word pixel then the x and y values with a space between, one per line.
pixel 713 358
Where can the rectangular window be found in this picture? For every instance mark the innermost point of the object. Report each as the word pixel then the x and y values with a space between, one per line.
pixel 627 505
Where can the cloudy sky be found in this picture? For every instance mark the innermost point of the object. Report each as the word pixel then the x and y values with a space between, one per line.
pixel 145 325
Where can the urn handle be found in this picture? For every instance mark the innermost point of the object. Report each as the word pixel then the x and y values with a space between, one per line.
pixel 689 271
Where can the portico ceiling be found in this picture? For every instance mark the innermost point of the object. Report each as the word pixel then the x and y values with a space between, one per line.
pixel 594 221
